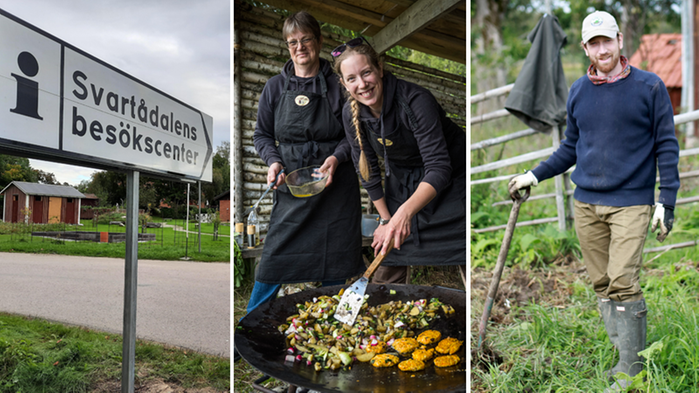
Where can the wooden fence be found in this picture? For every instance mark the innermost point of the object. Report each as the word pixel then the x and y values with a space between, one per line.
pixel 259 54
pixel 564 190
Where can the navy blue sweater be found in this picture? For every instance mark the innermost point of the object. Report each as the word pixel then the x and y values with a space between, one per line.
pixel 617 133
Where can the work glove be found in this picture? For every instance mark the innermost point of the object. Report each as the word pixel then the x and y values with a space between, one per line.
pixel 663 217
pixel 521 181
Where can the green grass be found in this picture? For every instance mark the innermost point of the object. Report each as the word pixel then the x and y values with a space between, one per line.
pixel 39 356
pixel 551 349
pixel 169 244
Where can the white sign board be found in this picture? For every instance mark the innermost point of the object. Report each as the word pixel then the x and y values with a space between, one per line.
pixel 64 103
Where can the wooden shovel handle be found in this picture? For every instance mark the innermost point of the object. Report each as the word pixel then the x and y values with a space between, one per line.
pixel 377 261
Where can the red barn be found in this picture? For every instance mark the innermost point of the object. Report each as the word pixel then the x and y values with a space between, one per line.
pixel 86 203
pixel 41 203
pixel 662 55
pixel 224 205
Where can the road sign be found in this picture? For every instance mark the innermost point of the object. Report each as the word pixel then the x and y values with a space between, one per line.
pixel 60 103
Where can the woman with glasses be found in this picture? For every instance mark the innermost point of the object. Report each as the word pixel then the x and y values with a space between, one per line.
pixel 317 238
pixel 423 201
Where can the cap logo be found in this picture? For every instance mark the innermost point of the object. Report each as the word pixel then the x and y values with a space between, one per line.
pixel 596 22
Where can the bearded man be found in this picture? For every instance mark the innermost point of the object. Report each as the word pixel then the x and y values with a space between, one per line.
pixel 620 127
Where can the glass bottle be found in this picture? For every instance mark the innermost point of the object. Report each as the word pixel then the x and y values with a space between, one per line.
pixel 239 234
pixel 253 230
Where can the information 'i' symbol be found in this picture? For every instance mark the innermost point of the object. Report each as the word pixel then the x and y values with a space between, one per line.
pixel 27 89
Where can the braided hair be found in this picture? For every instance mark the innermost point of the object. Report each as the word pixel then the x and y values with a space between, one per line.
pixel 373 57
pixel 364 168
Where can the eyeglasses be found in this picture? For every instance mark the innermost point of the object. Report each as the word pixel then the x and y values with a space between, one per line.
pixel 354 42
pixel 303 42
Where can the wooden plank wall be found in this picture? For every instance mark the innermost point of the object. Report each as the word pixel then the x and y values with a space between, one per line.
pixel 260 54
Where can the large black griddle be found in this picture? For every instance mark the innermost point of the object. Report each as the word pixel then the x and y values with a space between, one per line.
pixel 260 343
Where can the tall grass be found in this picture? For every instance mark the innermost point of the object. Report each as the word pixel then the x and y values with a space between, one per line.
pixel 549 349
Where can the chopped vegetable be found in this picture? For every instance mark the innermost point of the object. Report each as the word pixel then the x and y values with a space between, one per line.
pixel 325 343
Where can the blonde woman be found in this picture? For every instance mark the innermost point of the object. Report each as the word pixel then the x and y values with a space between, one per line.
pixel 423 202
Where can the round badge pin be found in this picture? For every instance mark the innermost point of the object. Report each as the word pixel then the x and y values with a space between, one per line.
pixel 302 100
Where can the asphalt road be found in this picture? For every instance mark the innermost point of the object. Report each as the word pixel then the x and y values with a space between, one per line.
pixel 186 304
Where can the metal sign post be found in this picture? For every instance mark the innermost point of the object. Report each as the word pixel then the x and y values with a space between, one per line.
pixel 186 228
pixel 130 284
pixel 199 219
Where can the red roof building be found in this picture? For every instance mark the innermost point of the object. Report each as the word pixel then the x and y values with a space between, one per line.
pixel 662 55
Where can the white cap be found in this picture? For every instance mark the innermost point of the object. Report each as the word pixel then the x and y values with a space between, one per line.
pixel 599 23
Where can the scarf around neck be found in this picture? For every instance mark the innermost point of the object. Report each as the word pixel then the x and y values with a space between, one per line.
pixel 598 80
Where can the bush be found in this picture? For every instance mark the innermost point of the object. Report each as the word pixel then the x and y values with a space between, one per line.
pixel 108 217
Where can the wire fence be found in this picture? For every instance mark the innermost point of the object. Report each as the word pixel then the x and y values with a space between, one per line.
pixel 167 233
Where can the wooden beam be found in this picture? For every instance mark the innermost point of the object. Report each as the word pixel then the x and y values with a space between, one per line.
pixel 347 10
pixel 319 12
pixel 455 16
pixel 412 20
pixel 358 19
pixel 457 55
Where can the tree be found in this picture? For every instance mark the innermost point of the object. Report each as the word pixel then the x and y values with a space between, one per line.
pixel 487 48
pixel 15 169
pixel 83 186
pixel 221 173
pixel 45 177
pixel 108 186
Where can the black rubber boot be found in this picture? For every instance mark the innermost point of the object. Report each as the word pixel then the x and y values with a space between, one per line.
pixel 608 313
pixel 607 310
pixel 631 330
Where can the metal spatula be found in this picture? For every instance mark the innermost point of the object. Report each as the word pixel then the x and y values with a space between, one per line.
pixel 353 297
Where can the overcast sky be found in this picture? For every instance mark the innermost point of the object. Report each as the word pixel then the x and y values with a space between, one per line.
pixel 181 47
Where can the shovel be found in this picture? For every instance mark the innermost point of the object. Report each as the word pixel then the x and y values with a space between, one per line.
pixel 269 187
pixel 353 297
pixel 500 265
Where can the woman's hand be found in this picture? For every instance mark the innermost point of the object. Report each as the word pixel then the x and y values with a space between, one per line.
pixel 329 166
pixel 398 228
pixel 274 169
pixel 379 238
pixel 396 231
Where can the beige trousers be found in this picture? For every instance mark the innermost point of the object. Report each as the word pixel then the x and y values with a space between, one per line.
pixel 611 241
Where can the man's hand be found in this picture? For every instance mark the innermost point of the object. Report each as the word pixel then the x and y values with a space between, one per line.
pixel 663 217
pixel 521 181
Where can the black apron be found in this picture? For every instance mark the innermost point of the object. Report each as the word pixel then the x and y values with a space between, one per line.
pixel 316 238
pixel 438 231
